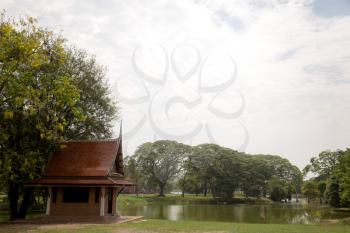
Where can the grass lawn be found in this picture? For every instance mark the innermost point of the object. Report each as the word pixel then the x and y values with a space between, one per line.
pixel 177 226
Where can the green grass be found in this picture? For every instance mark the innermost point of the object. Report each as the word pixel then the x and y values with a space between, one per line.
pixel 181 226
pixel 190 226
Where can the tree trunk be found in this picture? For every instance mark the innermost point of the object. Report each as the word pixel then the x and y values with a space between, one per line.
pixel 264 193
pixel 229 195
pixel 205 189
pixel 213 191
pixel 183 186
pixel 25 203
pixel 13 196
pixel 161 190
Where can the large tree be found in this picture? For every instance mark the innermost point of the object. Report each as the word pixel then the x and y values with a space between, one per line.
pixel 95 101
pixel 226 172
pixel 342 176
pixel 216 168
pixel 48 93
pixel 223 170
pixel 277 189
pixel 201 164
pixel 332 170
pixel 256 173
pixel 269 166
pixel 324 164
pixel 310 189
pixel 161 161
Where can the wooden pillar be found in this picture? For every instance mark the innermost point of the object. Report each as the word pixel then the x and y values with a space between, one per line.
pixel 48 202
pixel 102 201
pixel 115 201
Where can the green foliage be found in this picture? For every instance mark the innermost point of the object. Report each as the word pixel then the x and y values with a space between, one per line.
pixel 226 175
pixel 343 175
pixel 34 94
pixel 211 168
pixel 48 93
pixel 131 168
pixel 217 166
pixel 256 173
pixel 333 173
pixel 95 103
pixel 332 192
pixel 277 189
pixel 161 161
pixel 310 189
pixel 200 165
pixel 321 186
pixel 324 164
pixel 227 170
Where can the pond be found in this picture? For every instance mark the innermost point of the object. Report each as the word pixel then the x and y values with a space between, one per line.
pixel 244 213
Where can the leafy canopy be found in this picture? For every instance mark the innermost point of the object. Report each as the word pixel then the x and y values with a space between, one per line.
pixel 48 93
pixel 35 93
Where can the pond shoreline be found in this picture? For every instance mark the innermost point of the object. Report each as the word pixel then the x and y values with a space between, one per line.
pixel 141 199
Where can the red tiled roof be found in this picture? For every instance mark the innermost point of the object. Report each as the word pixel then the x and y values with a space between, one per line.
pixel 83 158
pixel 85 163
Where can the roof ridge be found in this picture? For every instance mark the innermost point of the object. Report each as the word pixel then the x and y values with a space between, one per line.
pixel 93 140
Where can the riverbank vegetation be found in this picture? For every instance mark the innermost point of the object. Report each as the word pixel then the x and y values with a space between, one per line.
pixel 221 172
pixel 332 182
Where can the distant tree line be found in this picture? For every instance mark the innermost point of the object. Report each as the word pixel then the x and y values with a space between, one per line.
pixel 332 181
pixel 210 168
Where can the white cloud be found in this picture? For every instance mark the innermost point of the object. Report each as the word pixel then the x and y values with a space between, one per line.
pixel 293 65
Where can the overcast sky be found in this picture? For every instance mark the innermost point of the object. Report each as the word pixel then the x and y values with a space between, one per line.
pixel 269 77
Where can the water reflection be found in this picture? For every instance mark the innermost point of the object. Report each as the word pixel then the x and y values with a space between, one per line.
pixel 270 213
